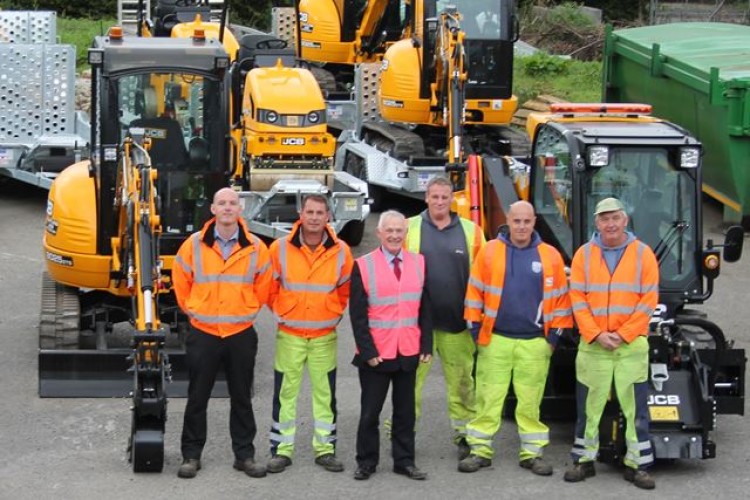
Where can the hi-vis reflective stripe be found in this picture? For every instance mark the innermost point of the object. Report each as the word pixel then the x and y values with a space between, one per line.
pixel 200 277
pixel 476 434
pixel 474 304
pixel 221 319
pixel 557 313
pixel 387 301
pixel 281 438
pixel 483 287
pixel 324 426
pixel 328 323
pixel 325 439
pixel 310 287
pixel 282 426
pixel 394 324
pixel 534 436
pixel 375 299
pixel 556 292
pixel 184 265
pixel 635 457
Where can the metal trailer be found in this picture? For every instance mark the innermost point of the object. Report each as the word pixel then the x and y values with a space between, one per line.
pixel 696 75
pixel 392 168
pixel 41 133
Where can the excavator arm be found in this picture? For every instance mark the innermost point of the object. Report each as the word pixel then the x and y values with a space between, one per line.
pixel 139 239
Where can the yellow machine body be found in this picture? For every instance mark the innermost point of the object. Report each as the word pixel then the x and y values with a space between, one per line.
pixel 284 120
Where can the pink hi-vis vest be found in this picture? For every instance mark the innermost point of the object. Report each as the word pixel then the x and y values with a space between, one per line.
pixel 393 311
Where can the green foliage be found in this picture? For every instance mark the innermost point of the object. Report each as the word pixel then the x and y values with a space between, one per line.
pixel 69 8
pixel 256 14
pixel 80 33
pixel 575 81
pixel 570 14
pixel 541 65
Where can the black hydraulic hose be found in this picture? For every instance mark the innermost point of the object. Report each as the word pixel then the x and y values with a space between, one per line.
pixel 145 236
pixel 717 335
pixel 223 23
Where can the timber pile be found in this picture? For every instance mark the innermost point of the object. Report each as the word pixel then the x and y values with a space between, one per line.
pixel 539 103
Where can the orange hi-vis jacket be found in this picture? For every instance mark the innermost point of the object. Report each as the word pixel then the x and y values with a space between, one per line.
pixel 485 289
pixel 621 302
pixel 393 304
pixel 310 288
pixel 221 297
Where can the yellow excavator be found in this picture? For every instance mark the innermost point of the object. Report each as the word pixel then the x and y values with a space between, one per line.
pixel 110 325
pixel 400 145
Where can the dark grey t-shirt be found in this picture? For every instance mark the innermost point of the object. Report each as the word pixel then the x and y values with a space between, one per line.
pixel 447 259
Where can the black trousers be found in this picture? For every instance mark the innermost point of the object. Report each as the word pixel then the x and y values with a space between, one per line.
pixel 374 386
pixel 205 354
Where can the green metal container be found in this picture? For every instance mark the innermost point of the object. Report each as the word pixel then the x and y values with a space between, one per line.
pixel 696 75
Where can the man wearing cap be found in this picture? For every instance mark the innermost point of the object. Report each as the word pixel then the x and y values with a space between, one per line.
pixel 614 288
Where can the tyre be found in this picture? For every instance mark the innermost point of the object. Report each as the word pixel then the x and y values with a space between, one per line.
pixel 353 233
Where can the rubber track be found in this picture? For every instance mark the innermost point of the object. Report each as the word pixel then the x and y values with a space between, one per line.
pixel 60 315
pixel 402 144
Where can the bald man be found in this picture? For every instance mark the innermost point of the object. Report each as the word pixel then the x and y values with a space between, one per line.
pixel 222 279
pixel 518 292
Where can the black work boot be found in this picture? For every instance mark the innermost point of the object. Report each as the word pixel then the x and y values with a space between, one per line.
pixel 278 463
pixel 250 467
pixel 640 478
pixel 189 468
pixel 537 466
pixel 473 463
pixel 579 472
pixel 464 450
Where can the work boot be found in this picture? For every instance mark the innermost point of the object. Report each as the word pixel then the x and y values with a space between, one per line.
pixel 189 468
pixel 464 450
pixel 329 462
pixel 579 472
pixel 249 467
pixel 640 478
pixel 473 463
pixel 278 463
pixel 537 466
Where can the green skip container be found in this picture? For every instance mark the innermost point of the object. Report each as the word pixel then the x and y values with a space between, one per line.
pixel 696 75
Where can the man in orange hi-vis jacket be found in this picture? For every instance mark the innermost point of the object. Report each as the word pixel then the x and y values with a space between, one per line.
pixel 614 287
pixel 221 280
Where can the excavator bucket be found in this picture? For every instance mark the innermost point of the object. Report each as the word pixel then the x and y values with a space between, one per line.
pixel 106 374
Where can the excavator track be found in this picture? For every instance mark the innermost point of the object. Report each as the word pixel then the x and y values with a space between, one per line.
pixel 399 142
pixel 59 323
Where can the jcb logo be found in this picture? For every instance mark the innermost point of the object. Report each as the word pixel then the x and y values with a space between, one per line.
pixel 293 141
pixel 664 399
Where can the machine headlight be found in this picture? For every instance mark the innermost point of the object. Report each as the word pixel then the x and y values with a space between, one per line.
pixel 313 117
pixel 598 156
pixel 689 157
pixel 272 116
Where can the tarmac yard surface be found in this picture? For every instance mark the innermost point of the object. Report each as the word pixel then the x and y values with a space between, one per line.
pixel 75 448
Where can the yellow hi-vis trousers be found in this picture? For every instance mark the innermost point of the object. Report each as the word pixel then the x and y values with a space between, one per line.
pixel 292 354
pixel 596 370
pixel 456 351
pixel 525 362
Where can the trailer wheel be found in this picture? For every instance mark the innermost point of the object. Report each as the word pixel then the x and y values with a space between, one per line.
pixel 60 318
pixel 353 233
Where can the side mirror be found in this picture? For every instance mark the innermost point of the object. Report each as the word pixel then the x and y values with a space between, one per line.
pixel 733 242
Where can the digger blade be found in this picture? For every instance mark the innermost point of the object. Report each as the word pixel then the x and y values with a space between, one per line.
pixel 104 374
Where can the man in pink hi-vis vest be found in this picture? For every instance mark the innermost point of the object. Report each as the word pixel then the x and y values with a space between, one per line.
pixel 389 309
